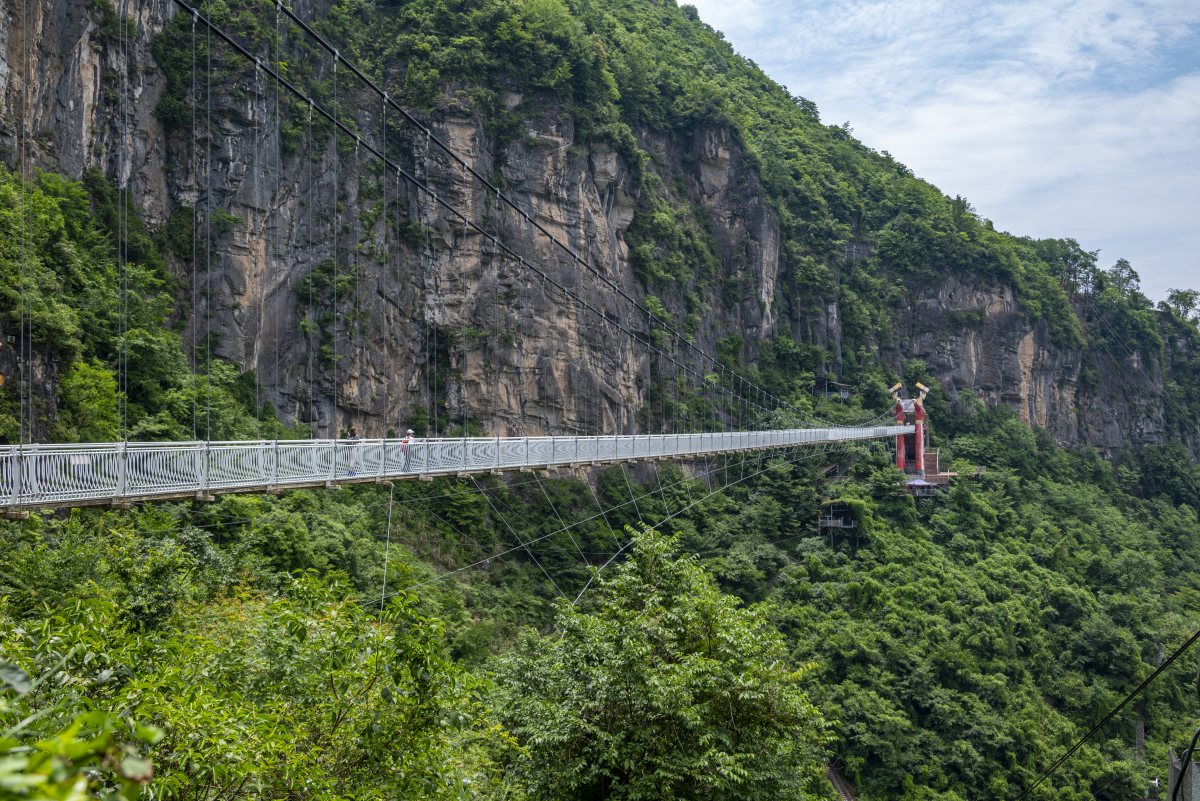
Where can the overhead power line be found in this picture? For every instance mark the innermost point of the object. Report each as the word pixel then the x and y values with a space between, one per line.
pixel 1079 744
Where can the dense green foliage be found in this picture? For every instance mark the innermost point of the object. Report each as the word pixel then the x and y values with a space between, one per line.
pixel 959 642
pixel 671 690
pixel 306 693
pixel 61 281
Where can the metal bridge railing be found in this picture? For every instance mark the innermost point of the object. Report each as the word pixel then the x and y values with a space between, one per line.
pixel 47 476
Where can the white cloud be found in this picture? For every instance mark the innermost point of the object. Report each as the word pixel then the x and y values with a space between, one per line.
pixel 1055 117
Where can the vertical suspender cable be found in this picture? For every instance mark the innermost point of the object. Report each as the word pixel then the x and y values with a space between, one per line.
pixel 399 327
pixel 387 386
pixel 119 169
pixel 429 333
pixel 399 323
pixel 255 289
pixel 195 220
pixel 25 345
pixel 208 239
pixel 279 185
pixel 337 160
pixel 313 328
pixel 496 317
pixel 357 288
pixel 400 427
pixel 122 199
pixel 435 370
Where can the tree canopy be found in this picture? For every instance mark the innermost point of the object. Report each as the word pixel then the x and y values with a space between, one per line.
pixel 671 689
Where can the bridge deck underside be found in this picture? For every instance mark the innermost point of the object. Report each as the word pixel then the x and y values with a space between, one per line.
pixel 53 476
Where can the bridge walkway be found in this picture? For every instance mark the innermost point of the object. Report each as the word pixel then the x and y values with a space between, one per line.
pixel 119 473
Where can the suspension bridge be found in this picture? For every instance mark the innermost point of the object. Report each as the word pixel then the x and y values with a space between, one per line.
pixel 117 474
pixel 720 401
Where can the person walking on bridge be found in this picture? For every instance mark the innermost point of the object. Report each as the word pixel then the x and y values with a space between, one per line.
pixel 409 439
pixel 352 442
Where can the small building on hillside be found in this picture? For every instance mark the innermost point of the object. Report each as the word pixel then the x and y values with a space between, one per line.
pixel 831 389
pixel 836 515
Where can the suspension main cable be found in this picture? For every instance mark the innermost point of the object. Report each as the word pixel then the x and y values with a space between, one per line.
pixel 575 256
pixel 431 139
pixel 438 201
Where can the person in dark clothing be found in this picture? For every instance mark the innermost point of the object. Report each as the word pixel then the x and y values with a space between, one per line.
pixel 352 441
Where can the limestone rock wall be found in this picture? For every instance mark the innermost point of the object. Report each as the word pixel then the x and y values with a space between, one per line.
pixel 510 350
pixel 978 337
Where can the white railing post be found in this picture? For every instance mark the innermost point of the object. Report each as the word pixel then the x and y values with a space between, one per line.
pixel 204 467
pixel 14 457
pixel 382 460
pixel 122 467
pixel 33 474
pixel 497 467
pixel 526 462
pixel 332 462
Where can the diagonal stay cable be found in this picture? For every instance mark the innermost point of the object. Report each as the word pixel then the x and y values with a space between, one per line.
pixel 512 511
pixel 561 522
pixel 471 540
pixel 551 534
pixel 631 502
pixel 517 536
pixel 661 494
pixel 632 496
pixel 684 509
pixel 600 506
pixel 235 519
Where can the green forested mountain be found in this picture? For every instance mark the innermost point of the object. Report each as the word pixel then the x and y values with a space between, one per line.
pixel 398 641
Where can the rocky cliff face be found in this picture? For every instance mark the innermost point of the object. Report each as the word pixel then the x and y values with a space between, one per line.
pixel 979 338
pixel 427 309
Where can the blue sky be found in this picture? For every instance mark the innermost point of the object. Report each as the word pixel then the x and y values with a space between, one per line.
pixel 1063 118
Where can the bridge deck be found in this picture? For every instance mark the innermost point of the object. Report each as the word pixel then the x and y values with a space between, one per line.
pixel 114 473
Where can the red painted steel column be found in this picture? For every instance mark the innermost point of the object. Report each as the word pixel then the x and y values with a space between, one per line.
pixel 899 437
pixel 920 420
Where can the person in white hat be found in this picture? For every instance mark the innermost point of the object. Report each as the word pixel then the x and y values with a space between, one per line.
pixel 404 443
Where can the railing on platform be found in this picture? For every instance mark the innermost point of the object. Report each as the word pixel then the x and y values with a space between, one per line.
pixel 47 476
